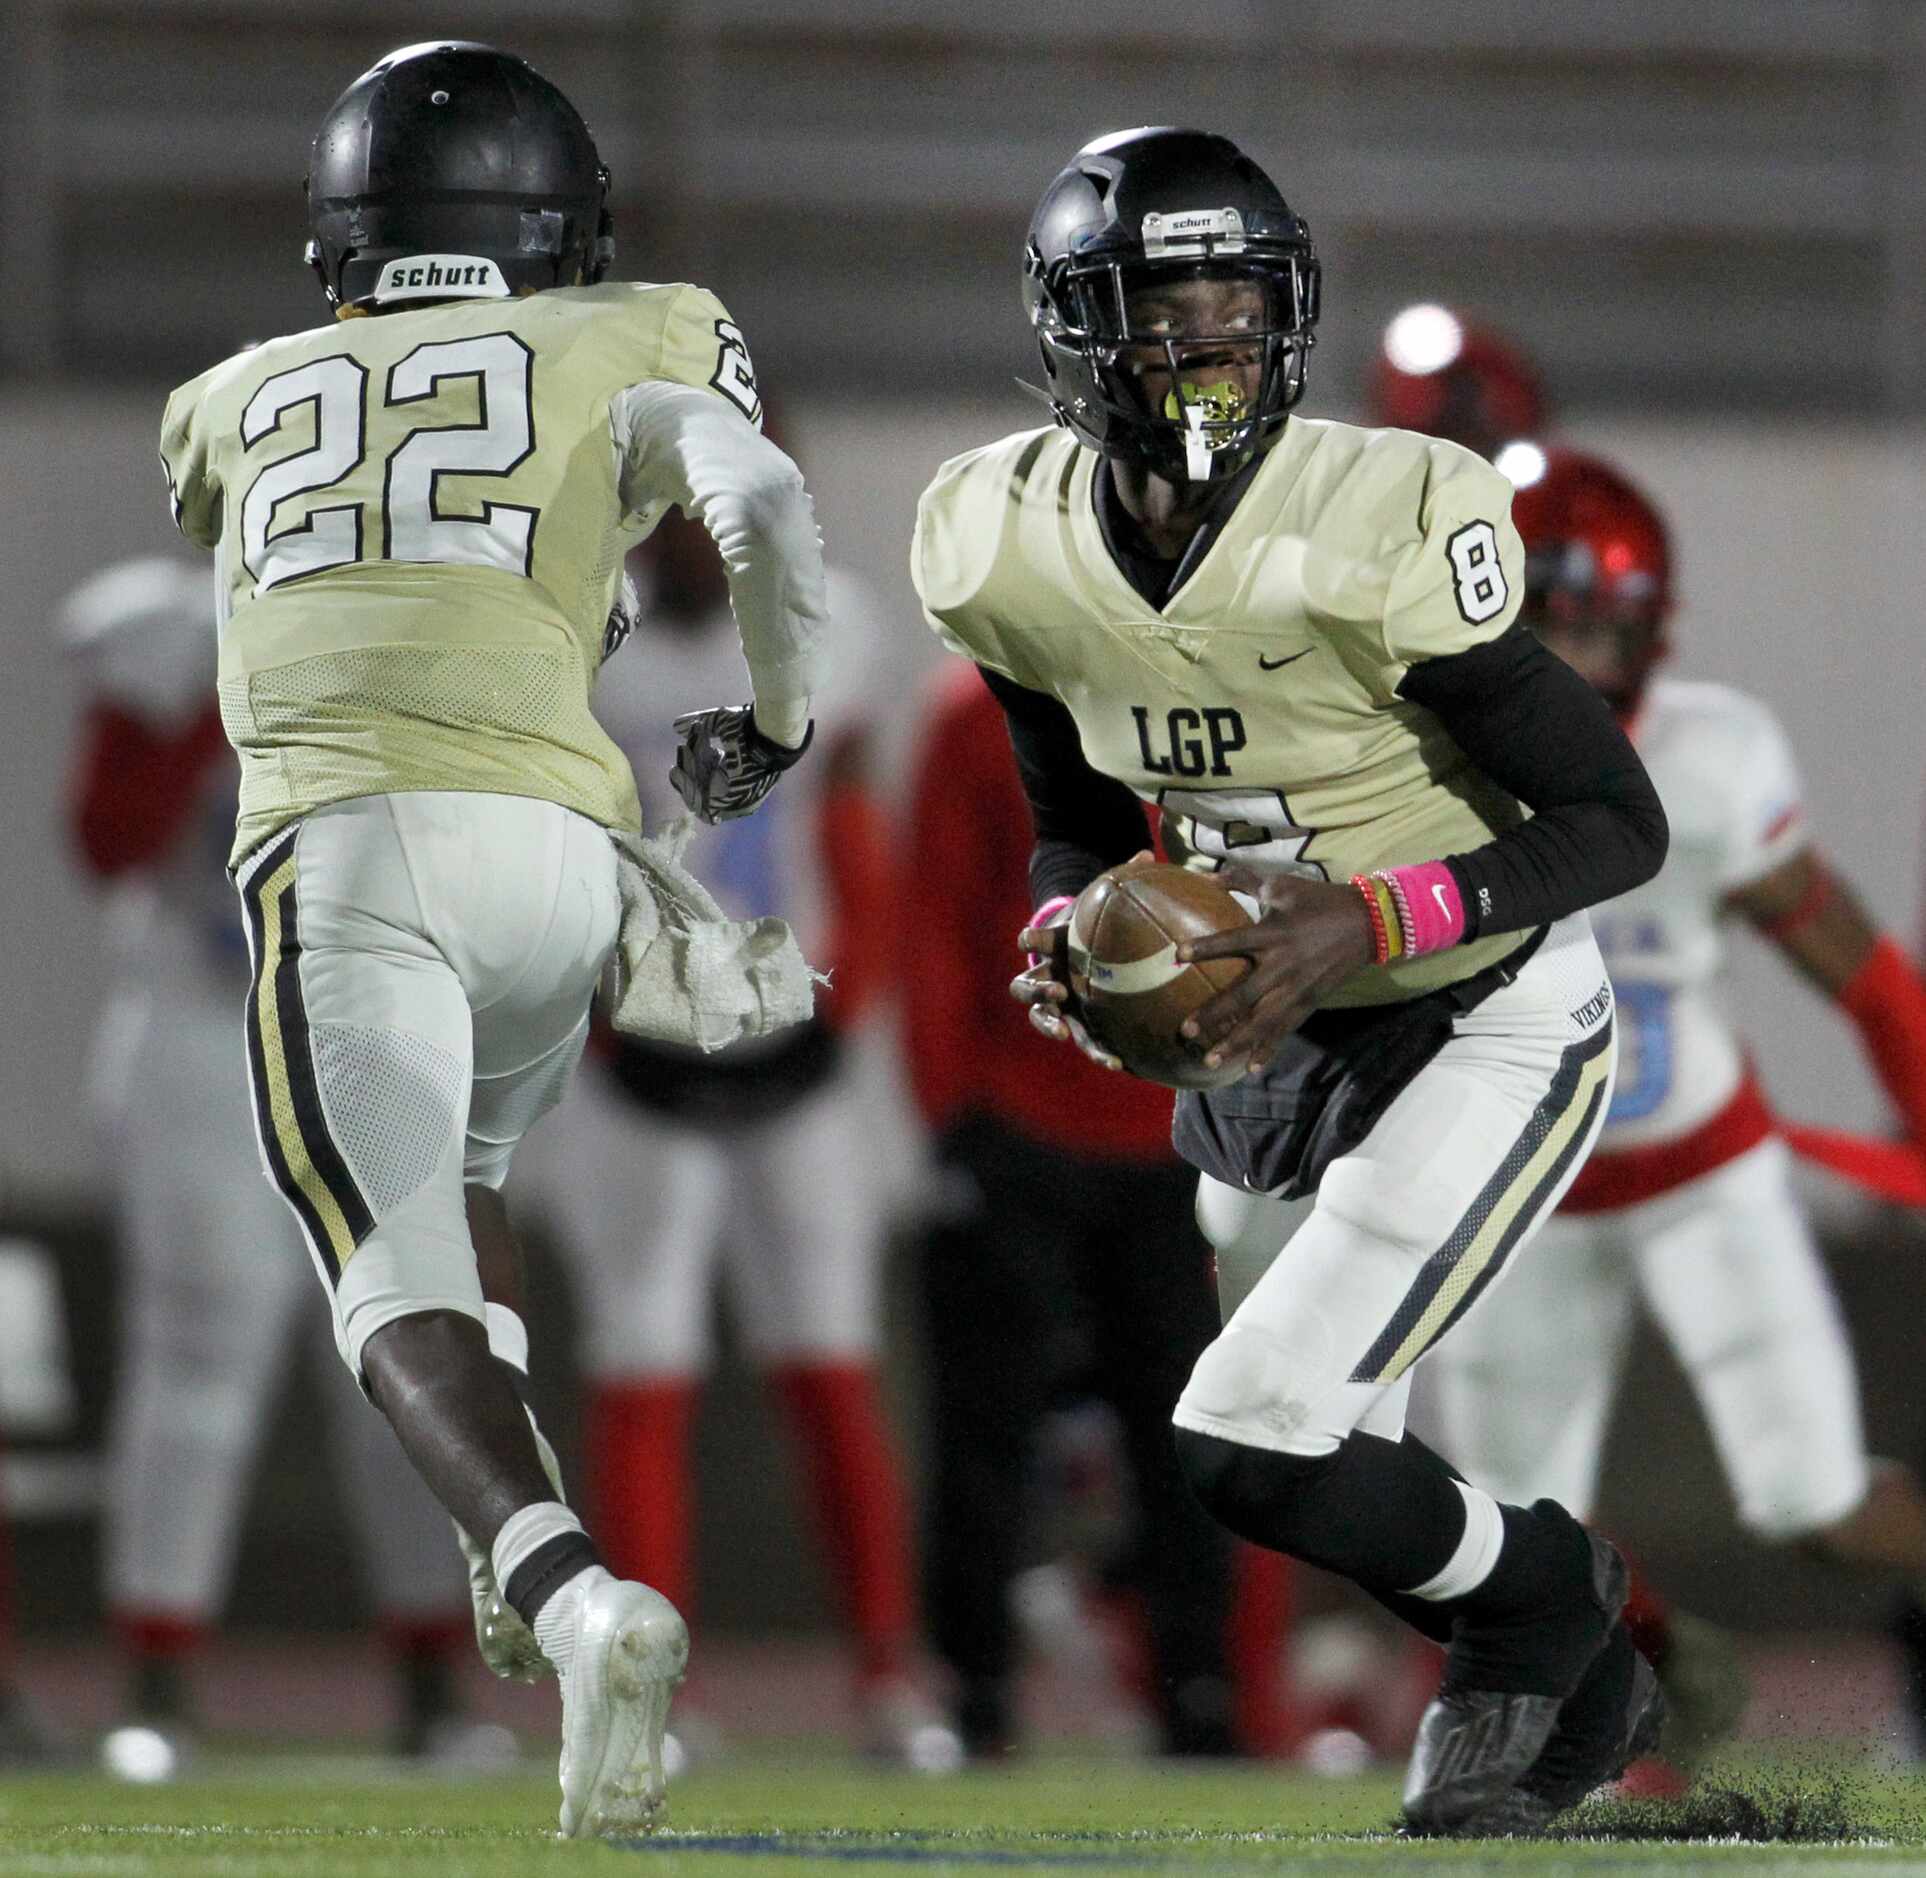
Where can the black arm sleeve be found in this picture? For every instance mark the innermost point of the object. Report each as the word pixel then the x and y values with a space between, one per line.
pixel 1084 821
pixel 1539 730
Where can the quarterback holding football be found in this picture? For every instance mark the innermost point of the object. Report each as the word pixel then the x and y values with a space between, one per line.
pixel 1300 639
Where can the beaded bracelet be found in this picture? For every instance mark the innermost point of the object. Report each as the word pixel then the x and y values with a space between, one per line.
pixel 1380 925
pixel 1425 903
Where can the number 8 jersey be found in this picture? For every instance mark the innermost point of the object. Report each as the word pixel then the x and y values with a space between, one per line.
pixel 420 519
pixel 1259 705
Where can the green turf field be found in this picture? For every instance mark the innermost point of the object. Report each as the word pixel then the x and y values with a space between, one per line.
pixel 778 1816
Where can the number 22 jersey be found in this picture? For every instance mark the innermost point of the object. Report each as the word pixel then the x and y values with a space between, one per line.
pixel 420 519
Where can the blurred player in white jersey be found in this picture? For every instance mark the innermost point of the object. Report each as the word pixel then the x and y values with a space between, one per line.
pixel 670 1172
pixel 1686 1207
pixel 212 1270
pixel 420 512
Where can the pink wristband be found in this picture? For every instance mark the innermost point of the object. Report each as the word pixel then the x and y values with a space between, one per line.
pixel 1430 908
pixel 1044 915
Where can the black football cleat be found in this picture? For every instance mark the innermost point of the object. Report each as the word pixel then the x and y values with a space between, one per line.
pixel 1475 1746
pixel 1611 1718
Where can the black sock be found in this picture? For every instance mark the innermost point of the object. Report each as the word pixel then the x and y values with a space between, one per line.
pixel 160 1690
pixel 1388 1515
pixel 546 1570
pixel 1426 1616
pixel 1384 1514
pixel 1909 1629
pixel 1537 1620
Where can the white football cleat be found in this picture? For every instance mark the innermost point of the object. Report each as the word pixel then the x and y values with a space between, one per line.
pixel 629 1649
pixel 507 1645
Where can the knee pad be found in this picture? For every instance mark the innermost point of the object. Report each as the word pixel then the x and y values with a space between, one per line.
pixel 420 1259
pixel 1258 1385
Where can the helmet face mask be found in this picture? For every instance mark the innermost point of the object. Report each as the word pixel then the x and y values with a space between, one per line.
pixel 453 170
pixel 1173 335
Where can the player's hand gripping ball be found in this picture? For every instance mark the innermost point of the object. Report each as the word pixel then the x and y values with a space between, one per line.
pixel 1132 991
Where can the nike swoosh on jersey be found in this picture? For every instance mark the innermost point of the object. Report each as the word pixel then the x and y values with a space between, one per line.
pixel 1272 665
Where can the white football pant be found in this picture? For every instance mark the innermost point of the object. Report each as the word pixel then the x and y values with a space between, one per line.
pixel 423 970
pixel 1410 1233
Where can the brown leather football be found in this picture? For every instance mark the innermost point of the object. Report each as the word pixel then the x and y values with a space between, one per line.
pixel 1124 932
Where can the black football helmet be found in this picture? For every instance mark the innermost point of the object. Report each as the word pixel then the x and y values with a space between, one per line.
pixel 1142 206
pixel 462 155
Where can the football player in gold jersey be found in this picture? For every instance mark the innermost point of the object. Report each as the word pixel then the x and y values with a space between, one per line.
pixel 419 514
pixel 1299 638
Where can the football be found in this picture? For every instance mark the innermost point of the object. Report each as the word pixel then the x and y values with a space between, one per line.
pixel 1124 932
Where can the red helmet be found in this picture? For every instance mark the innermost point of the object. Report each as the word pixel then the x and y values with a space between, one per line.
pixel 1436 373
pixel 1594 542
pixel 1597 555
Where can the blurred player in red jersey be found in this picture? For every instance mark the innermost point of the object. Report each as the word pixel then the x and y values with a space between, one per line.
pixel 211 1277
pixel 1685 1207
pixel 675 1173
pixel 1063 1256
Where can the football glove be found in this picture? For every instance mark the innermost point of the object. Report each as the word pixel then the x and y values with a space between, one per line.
pixel 726 765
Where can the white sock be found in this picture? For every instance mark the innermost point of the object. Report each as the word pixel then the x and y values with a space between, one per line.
pixel 1477 1552
pixel 523 1534
pixel 527 1531
pixel 507 1336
